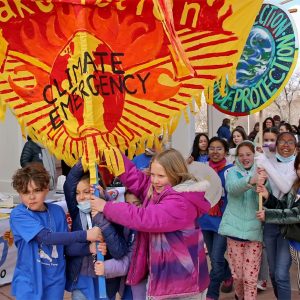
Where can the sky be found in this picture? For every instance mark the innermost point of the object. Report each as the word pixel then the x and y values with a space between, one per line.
pixel 296 17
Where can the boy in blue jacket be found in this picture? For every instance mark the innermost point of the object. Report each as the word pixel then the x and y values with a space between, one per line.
pixel 81 278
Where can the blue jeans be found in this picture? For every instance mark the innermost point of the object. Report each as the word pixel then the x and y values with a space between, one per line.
pixel 216 246
pixel 279 259
pixel 78 295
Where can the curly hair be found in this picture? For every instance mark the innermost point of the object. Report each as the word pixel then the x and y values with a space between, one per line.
pixel 33 172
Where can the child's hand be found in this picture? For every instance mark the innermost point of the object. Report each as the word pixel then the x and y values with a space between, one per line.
pixel 102 248
pixel 99 268
pixel 259 177
pixel 94 234
pixel 189 160
pixel 253 179
pixel 93 248
pixel 259 149
pixel 262 176
pixel 99 188
pixel 94 213
pixel 261 189
pixel 261 215
pixel 97 204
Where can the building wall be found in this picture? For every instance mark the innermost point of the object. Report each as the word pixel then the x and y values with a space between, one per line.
pixel 11 144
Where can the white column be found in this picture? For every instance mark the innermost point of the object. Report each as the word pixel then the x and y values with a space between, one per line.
pixel 214 119
pixel 11 144
pixel 183 137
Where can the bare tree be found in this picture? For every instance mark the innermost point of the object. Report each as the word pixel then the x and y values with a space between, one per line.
pixel 287 96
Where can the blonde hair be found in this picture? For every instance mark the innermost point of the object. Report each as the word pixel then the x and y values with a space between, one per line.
pixel 174 165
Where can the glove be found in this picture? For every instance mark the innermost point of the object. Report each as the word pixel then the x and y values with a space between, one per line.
pixel 260 160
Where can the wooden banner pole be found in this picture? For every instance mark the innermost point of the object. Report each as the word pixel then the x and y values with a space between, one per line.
pixel 260 143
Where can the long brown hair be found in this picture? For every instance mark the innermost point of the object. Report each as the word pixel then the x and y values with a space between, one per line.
pixel 296 184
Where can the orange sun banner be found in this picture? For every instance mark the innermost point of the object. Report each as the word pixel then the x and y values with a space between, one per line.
pixel 86 77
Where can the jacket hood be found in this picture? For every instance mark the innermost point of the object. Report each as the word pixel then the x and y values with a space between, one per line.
pixel 192 186
pixel 239 166
pixel 194 191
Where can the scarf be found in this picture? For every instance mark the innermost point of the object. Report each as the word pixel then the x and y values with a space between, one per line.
pixel 216 211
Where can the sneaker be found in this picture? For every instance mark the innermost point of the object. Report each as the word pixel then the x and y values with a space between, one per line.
pixel 227 285
pixel 261 285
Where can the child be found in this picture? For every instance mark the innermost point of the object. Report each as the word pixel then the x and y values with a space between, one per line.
pixel 81 278
pixel 40 231
pixel 169 249
pixel 281 175
pixel 239 223
pixel 119 267
pixel 268 148
pixel 199 151
pixel 237 136
pixel 284 211
pixel 216 243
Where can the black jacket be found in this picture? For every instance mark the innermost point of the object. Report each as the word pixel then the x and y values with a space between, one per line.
pixel 31 152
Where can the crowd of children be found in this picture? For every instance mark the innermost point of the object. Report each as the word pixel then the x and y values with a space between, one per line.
pixel 154 242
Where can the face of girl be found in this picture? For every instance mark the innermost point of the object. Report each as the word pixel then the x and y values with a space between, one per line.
pixel 269 124
pixel 159 178
pixel 286 145
pixel 83 190
pixel 237 138
pixel 132 199
pixel 203 143
pixel 283 128
pixel 269 137
pixel 246 157
pixel 216 151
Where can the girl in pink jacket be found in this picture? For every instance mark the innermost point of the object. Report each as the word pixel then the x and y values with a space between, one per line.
pixel 169 250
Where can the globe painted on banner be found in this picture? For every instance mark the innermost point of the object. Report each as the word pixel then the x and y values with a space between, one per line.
pixel 266 64
pixel 256 59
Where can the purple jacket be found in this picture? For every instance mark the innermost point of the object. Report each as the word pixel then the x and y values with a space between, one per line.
pixel 169 247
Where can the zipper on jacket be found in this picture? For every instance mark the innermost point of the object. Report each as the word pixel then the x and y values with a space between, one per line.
pixel 149 273
pixel 134 255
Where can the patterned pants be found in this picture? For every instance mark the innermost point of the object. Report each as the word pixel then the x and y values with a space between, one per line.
pixel 244 261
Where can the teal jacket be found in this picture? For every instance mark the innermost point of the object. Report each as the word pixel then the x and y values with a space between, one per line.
pixel 239 219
